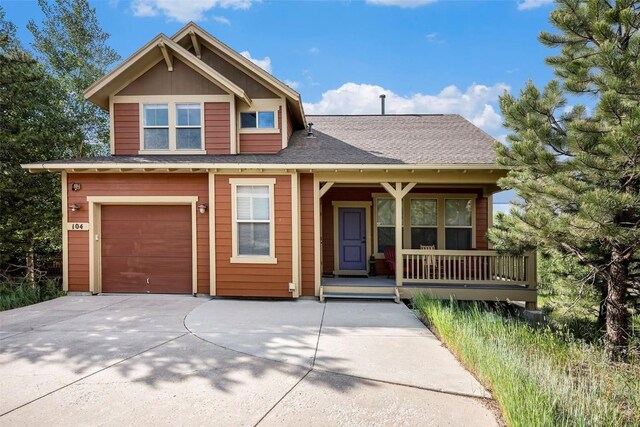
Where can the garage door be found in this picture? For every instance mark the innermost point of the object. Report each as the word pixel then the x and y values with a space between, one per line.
pixel 146 249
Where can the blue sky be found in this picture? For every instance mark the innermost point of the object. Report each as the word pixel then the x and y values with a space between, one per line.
pixel 428 56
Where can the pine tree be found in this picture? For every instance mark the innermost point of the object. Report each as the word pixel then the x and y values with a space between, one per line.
pixel 73 46
pixel 33 128
pixel 577 169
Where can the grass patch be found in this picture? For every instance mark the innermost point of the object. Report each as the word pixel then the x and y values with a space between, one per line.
pixel 19 293
pixel 538 376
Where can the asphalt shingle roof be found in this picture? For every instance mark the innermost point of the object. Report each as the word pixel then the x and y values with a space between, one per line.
pixel 388 139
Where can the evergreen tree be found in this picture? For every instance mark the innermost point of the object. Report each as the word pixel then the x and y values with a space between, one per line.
pixel 73 46
pixel 33 128
pixel 577 169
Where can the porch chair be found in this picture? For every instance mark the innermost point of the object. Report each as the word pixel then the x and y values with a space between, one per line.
pixel 390 259
pixel 429 264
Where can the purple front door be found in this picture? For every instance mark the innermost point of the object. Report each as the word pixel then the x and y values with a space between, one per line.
pixel 352 240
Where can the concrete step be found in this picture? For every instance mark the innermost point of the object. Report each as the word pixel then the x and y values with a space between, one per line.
pixel 360 289
pixel 352 295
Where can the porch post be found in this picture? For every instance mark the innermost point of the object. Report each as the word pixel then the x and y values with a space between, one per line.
pixel 318 192
pixel 399 261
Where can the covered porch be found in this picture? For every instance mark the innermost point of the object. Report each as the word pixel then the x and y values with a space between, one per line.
pixel 398 234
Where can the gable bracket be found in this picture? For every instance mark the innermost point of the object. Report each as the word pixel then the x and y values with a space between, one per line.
pixel 168 58
pixel 196 43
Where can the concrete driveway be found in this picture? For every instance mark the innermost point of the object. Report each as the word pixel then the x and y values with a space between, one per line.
pixel 179 360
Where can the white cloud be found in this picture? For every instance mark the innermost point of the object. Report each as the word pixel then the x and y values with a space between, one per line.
pixel 532 4
pixel 183 11
pixel 292 84
pixel 401 3
pixel 433 38
pixel 221 20
pixel 264 63
pixel 314 50
pixel 476 103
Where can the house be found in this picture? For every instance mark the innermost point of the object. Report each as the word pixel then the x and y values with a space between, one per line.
pixel 219 184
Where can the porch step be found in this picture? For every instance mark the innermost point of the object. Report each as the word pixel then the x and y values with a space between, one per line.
pixel 351 295
pixel 359 292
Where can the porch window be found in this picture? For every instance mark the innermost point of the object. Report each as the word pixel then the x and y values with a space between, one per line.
pixel 458 224
pixel 156 126
pixel 385 223
pixel 188 127
pixel 253 230
pixel 424 222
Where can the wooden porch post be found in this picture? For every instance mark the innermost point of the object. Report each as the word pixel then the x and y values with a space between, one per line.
pixel 398 194
pixel 318 192
pixel 532 278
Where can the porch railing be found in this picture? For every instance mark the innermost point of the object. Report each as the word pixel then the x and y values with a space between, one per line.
pixel 468 267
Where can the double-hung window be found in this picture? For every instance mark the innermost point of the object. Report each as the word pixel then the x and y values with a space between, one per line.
pixel 424 222
pixel 156 126
pixel 458 224
pixel 253 224
pixel 258 120
pixel 385 223
pixel 188 127
pixel 172 126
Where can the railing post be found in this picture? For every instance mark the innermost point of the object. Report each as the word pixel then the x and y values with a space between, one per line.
pixel 532 269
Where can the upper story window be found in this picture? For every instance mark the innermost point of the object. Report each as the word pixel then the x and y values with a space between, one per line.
pixel 258 119
pixel 156 126
pixel 172 127
pixel 188 127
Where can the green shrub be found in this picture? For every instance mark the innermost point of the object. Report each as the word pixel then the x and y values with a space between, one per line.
pixel 539 376
pixel 18 293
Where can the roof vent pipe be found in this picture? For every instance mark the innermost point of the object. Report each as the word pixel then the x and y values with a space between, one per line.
pixel 382 97
pixel 309 129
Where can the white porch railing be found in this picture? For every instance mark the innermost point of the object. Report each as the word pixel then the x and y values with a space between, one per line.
pixel 467 267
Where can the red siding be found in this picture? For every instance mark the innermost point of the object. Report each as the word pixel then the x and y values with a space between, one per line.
pixel 307 259
pixel 289 125
pixel 126 124
pixel 123 184
pixel 217 128
pixel 256 280
pixel 482 223
pixel 262 143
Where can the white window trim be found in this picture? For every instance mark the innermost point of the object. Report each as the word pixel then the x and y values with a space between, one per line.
pixel 410 224
pixel 274 129
pixel 472 227
pixel 257 105
pixel 252 259
pixel 171 105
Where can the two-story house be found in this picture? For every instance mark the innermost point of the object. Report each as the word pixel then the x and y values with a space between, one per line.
pixel 219 184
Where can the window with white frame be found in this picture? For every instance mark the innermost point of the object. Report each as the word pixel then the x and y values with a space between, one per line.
pixel 458 224
pixel 156 126
pixel 258 120
pixel 424 222
pixel 172 126
pixel 253 220
pixel 188 127
pixel 385 223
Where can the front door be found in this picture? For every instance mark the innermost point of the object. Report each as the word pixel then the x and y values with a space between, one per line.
pixel 352 241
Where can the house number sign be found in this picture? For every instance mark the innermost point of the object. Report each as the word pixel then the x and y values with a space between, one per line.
pixel 78 226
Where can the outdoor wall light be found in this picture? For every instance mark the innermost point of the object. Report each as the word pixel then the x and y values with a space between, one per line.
pixel 74 207
pixel 75 186
pixel 202 208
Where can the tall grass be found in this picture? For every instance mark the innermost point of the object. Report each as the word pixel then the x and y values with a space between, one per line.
pixel 18 293
pixel 538 376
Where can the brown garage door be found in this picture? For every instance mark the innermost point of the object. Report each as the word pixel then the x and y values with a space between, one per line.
pixel 146 249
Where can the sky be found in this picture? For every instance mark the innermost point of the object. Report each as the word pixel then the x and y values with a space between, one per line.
pixel 427 56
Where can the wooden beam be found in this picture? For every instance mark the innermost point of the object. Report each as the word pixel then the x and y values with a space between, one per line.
pixel 389 188
pixel 167 56
pixel 398 230
pixel 407 188
pixel 325 188
pixel 196 43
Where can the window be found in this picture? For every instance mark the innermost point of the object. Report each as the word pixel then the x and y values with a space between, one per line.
pixel 156 126
pixel 385 223
pixel 458 226
pixel 259 119
pixel 253 225
pixel 188 127
pixel 172 127
pixel 424 222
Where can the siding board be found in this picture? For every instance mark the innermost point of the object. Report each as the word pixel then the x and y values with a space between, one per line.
pixel 126 126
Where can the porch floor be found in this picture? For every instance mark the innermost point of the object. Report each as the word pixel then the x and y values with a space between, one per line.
pixel 358 281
